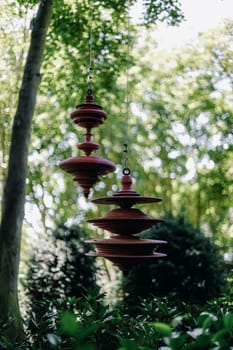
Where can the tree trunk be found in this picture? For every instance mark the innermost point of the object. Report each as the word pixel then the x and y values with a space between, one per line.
pixel 198 202
pixel 14 192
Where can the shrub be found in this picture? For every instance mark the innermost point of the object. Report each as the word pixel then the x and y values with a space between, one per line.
pixel 59 267
pixel 193 270
pixel 88 324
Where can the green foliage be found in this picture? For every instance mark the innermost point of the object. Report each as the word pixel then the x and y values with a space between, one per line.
pixel 163 10
pixel 13 42
pixel 193 270
pixel 204 331
pixel 185 95
pixel 209 332
pixel 89 324
pixel 186 135
pixel 59 267
pixel 64 83
pixel 79 323
pixel 180 134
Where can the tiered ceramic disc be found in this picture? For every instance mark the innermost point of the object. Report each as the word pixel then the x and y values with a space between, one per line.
pixel 125 250
pixel 87 169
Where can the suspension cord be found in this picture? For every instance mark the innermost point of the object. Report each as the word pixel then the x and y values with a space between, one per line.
pixel 126 170
pixel 90 68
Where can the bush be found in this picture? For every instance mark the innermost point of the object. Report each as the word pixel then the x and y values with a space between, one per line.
pixel 88 324
pixel 59 267
pixel 193 270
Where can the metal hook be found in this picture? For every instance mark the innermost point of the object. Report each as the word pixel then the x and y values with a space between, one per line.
pixel 126 171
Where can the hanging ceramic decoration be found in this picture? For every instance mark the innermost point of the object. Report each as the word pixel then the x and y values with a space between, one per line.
pixel 87 169
pixel 124 249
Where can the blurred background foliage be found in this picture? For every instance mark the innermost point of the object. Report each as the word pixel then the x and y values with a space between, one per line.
pixel 59 267
pixel 180 123
pixel 193 271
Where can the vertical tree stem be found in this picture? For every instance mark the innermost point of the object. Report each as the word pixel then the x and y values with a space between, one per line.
pixel 14 192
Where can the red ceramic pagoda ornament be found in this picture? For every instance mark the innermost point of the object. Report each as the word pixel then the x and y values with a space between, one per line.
pixel 87 169
pixel 125 250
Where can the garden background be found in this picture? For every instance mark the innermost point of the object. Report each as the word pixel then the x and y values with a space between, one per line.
pixel 180 137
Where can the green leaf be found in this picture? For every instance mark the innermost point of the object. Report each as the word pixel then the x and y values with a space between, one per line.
pixel 53 339
pixel 177 341
pixel 203 341
pixel 219 335
pixel 228 321
pixel 207 322
pixel 85 347
pixel 128 344
pixel 205 319
pixel 177 320
pixel 195 333
pixel 68 323
pixel 163 328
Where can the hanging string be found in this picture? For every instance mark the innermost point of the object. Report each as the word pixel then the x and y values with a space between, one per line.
pixel 90 68
pixel 126 170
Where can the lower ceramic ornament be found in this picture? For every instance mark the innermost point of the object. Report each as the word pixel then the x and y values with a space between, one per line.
pixel 125 252
pixel 126 262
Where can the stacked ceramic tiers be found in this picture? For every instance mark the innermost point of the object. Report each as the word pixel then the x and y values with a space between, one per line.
pixel 125 250
pixel 87 169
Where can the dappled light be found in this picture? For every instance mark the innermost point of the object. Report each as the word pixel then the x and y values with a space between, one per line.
pixel 164 112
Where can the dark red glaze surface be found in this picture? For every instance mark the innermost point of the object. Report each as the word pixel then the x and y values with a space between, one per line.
pixel 127 201
pixel 125 263
pixel 88 147
pixel 126 250
pixel 98 165
pixel 89 115
pixel 126 190
pixel 126 197
pixel 126 246
pixel 126 240
pixel 125 221
pixel 127 214
pixel 124 227
pixel 87 169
